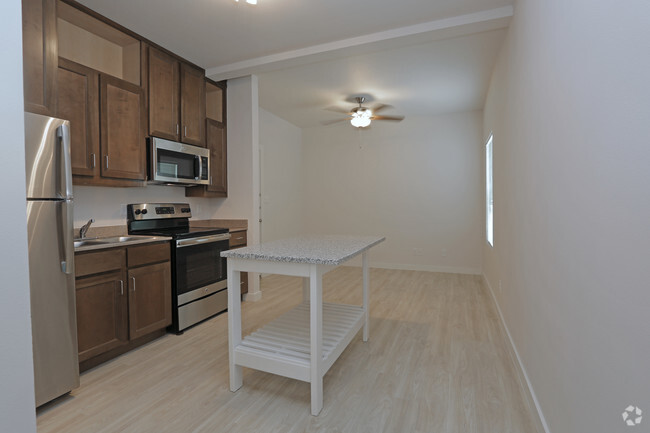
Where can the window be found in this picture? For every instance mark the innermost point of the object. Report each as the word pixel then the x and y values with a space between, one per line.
pixel 489 199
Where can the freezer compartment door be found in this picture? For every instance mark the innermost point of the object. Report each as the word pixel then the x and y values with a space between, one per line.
pixel 54 322
pixel 47 157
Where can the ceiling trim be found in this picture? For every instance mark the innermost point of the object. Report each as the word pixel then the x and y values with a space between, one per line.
pixel 448 27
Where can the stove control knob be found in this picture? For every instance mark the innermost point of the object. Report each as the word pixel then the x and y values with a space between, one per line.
pixel 137 211
pixel 144 211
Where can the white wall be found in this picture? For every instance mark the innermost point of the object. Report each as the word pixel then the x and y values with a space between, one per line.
pixel 569 104
pixel 17 412
pixel 281 149
pixel 416 182
pixel 108 205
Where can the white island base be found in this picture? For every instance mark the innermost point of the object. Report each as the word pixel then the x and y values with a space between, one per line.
pixel 304 342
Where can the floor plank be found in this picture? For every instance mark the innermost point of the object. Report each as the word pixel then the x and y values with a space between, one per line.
pixel 437 361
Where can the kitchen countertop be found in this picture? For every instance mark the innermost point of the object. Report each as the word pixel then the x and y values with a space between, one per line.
pixel 314 249
pixel 105 242
pixel 230 224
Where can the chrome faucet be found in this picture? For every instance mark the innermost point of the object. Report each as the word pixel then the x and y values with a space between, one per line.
pixel 84 228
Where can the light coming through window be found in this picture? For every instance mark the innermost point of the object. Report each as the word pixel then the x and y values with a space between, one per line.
pixel 489 199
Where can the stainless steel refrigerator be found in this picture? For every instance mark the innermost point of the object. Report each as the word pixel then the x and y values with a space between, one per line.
pixel 51 256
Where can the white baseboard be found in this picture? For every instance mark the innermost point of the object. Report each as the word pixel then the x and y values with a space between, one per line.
pixel 253 296
pixel 530 392
pixel 427 268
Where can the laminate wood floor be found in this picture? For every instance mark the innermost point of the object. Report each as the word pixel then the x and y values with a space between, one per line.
pixel 436 361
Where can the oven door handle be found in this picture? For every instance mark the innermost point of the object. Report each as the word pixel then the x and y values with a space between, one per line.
pixel 202 240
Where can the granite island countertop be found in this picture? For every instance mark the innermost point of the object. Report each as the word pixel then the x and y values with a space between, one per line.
pixel 313 249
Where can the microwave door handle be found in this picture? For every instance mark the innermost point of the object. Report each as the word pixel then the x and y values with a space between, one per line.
pixel 197 166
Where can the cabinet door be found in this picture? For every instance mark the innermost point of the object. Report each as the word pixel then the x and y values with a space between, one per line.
pixel 122 141
pixel 78 101
pixel 216 141
pixel 40 54
pixel 164 95
pixel 150 298
pixel 102 320
pixel 192 105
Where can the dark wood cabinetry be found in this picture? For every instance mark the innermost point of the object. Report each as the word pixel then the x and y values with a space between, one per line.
pixel 163 85
pixel 116 88
pixel 239 239
pixel 215 138
pixel 122 136
pixel 192 105
pixel 102 320
pixel 176 99
pixel 95 102
pixel 123 299
pixel 149 299
pixel 39 56
pixel 78 101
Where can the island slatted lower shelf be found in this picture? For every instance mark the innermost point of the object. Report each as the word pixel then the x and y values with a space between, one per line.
pixel 283 345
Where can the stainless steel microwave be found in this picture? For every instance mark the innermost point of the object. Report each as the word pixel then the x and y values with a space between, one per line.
pixel 171 162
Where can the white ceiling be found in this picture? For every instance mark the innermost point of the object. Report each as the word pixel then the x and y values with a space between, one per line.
pixel 421 56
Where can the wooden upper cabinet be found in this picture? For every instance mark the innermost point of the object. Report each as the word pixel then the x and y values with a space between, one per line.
pixel 164 95
pixel 122 138
pixel 39 56
pixel 215 138
pixel 216 141
pixel 78 101
pixel 192 105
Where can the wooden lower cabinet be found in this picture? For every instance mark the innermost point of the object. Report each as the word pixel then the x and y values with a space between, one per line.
pixel 239 239
pixel 123 298
pixel 149 299
pixel 102 319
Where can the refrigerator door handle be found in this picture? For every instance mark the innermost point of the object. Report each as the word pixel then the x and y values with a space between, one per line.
pixel 63 133
pixel 66 230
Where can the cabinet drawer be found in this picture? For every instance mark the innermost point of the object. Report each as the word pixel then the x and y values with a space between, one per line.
pixel 237 239
pixel 99 261
pixel 149 253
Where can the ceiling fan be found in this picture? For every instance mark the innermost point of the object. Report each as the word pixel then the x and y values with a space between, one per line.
pixel 361 116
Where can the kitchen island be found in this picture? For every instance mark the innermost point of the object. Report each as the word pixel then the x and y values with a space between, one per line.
pixel 304 342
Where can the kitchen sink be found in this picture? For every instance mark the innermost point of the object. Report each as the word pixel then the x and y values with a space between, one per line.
pixel 112 241
pixel 118 239
pixel 87 242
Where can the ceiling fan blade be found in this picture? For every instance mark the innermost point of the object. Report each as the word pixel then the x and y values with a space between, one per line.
pixel 338 110
pixel 379 107
pixel 330 122
pixel 395 118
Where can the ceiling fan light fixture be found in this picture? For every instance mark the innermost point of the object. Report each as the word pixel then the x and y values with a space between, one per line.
pixel 361 118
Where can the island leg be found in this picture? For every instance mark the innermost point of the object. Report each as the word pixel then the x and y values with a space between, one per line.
pixel 305 289
pixel 234 325
pixel 316 337
pixel 366 306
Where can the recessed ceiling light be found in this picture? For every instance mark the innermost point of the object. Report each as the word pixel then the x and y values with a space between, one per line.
pixel 250 2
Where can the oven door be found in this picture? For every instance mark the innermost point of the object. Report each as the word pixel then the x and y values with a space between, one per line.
pixel 199 265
